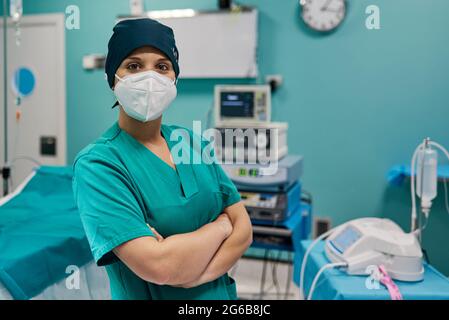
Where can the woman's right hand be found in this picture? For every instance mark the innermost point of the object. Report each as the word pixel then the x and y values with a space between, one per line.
pixel 225 224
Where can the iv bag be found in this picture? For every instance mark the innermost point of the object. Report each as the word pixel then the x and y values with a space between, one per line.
pixel 16 10
pixel 426 172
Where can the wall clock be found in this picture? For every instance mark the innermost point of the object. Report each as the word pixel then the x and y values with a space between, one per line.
pixel 323 15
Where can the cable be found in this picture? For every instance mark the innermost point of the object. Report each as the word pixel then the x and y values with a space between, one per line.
pixel 274 274
pixel 289 276
pixel 446 200
pixel 5 90
pixel 17 132
pixel 36 162
pixel 412 186
pixel 268 262
pixel 274 281
pixel 418 232
pixel 426 222
pixel 323 268
pixel 446 153
pixel 439 146
pixel 5 79
pixel 304 260
pixel 264 267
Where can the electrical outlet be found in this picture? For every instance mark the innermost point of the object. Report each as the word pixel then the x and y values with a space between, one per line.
pixel 48 146
pixel 320 226
pixel 94 61
pixel 276 79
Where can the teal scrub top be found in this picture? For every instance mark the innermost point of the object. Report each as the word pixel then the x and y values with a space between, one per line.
pixel 120 186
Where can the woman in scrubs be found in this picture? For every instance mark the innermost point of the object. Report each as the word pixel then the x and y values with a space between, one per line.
pixel 162 229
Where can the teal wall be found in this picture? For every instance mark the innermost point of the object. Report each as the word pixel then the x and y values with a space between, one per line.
pixel 358 101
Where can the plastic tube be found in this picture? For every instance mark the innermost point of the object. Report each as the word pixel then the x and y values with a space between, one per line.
pixel 306 256
pixel 412 186
pixel 439 146
pixel 323 268
pixel 446 153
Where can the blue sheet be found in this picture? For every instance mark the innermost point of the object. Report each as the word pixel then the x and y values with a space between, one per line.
pixel 337 285
pixel 41 234
pixel 397 174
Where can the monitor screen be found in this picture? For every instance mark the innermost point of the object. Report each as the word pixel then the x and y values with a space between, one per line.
pixel 346 238
pixel 237 104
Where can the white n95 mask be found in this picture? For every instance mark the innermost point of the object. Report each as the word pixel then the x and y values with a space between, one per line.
pixel 144 96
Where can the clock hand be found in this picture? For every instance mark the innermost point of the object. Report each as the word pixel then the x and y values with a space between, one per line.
pixel 333 10
pixel 326 5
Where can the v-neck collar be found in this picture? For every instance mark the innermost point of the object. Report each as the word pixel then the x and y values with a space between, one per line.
pixel 182 172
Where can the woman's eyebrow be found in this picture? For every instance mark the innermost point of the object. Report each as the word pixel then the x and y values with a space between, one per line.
pixel 136 58
pixel 163 60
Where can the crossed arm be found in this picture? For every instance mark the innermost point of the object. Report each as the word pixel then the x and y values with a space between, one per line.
pixel 193 258
pixel 231 249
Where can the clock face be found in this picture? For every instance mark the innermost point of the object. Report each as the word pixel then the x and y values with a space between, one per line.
pixel 323 15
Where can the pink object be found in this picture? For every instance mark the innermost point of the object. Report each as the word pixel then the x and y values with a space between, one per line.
pixel 386 280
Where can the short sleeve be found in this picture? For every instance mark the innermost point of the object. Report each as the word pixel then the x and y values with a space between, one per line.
pixel 108 207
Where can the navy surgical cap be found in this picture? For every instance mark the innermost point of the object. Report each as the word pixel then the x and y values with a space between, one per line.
pixel 132 34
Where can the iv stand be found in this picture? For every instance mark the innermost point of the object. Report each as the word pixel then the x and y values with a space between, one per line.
pixel 5 170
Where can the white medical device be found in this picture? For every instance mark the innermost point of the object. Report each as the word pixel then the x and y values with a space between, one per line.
pixel 360 244
pixel 365 242
pixel 251 143
pixel 242 105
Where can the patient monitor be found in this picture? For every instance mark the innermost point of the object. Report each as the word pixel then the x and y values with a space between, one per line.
pixel 364 242
pixel 242 105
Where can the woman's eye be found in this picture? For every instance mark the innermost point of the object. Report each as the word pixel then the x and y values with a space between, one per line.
pixel 133 66
pixel 163 67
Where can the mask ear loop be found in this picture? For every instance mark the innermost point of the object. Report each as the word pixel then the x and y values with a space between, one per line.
pixel 117 103
pixel 121 79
